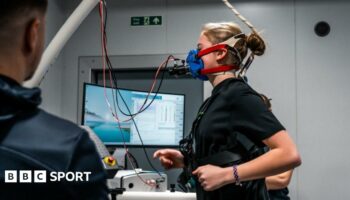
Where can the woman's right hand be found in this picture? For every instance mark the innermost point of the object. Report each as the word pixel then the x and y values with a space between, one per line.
pixel 170 158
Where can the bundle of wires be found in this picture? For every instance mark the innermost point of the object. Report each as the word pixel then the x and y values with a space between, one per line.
pixel 114 84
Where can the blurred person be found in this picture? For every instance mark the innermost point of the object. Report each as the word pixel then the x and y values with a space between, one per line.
pixel 30 138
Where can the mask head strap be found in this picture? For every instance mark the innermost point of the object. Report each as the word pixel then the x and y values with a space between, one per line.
pixel 223 68
pixel 229 43
pixel 211 49
pixel 233 40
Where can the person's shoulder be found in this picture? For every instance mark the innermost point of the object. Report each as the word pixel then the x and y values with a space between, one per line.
pixel 47 125
pixel 242 88
pixel 43 141
pixel 46 138
pixel 54 129
pixel 53 122
pixel 241 94
pixel 235 88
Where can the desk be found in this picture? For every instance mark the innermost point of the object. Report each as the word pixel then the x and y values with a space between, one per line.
pixel 157 196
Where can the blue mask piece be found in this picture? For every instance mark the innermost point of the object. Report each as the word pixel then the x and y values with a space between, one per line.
pixel 196 65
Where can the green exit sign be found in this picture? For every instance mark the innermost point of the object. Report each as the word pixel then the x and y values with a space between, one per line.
pixel 146 21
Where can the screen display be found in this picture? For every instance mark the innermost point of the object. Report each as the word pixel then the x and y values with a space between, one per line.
pixel 161 124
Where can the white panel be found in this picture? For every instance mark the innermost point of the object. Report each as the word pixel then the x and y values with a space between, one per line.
pixel 85 41
pixel 52 84
pixel 323 100
pixel 126 39
pixel 185 22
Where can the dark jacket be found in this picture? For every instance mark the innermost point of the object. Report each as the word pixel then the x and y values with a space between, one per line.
pixel 31 139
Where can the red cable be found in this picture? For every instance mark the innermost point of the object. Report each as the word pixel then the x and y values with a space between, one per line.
pixel 104 47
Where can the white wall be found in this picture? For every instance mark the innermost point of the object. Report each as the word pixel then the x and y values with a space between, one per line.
pixel 52 84
pixel 305 75
pixel 323 100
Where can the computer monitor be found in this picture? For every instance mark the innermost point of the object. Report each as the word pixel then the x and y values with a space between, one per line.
pixel 161 124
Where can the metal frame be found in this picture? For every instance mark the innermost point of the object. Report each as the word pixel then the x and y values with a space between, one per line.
pixel 89 63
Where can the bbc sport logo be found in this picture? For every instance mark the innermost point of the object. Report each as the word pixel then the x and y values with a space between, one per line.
pixel 40 176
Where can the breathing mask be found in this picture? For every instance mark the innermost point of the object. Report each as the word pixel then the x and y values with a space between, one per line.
pixel 195 65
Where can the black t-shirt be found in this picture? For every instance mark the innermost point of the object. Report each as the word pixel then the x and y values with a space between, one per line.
pixel 281 194
pixel 234 107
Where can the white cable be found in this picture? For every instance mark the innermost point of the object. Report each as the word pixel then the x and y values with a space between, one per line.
pixel 244 20
pixel 54 48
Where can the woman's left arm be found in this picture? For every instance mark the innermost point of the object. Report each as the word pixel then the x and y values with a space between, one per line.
pixel 279 181
pixel 283 156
